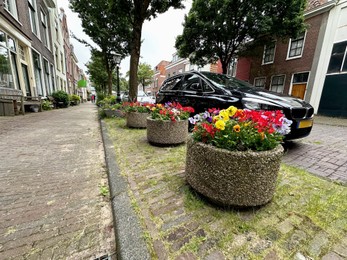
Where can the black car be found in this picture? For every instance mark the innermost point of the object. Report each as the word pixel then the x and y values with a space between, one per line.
pixel 203 90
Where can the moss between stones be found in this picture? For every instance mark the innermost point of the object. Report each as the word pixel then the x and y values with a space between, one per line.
pixel 233 178
pixel 161 132
pixel 136 119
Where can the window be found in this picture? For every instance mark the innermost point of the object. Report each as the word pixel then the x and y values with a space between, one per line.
pixel 47 76
pixel 56 30
pixel 269 53
pixel 11 7
pixel 300 78
pixel 6 73
pixel 21 52
pixel 56 57
pixel 173 84
pixel 62 62
pixel 33 18
pixel 277 84
pixel 338 59
pixel 259 82
pixel 296 47
pixel 37 72
pixel 192 83
pixel 45 29
pixel 53 79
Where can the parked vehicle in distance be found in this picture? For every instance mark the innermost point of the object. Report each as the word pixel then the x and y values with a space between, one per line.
pixel 203 90
pixel 142 97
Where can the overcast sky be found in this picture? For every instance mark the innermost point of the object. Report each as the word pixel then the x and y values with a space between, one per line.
pixel 158 36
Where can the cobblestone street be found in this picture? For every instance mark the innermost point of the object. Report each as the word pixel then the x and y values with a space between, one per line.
pixel 51 170
pixel 324 151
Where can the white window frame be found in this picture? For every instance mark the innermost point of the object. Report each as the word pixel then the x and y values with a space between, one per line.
pixel 284 82
pixel 257 78
pixel 264 54
pixel 44 24
pixel 32 6
pixel 302 47
pixel 11 7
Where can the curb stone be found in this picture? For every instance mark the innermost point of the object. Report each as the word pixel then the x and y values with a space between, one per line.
pixel 130 243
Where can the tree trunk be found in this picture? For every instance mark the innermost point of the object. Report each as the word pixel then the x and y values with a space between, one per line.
pixel 224 67
pixel 134 60
pixel 109 82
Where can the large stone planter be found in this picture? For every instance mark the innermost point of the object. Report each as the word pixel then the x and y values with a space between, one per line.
pixel 136 119
pixel 233 178
pixel 163 133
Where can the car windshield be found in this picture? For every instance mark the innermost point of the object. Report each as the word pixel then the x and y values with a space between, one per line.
pixel 225 81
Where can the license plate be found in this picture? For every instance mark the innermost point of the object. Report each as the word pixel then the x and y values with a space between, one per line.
pixel 305 123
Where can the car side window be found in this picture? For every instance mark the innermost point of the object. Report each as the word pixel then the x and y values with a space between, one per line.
pixel 206 87
pixel 192 83
pixel 173 84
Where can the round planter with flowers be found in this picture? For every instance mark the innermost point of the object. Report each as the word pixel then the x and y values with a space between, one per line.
pixel 234 156
pixel 136 114
pixel 168 124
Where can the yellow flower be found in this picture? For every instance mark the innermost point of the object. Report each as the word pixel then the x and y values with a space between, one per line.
pixel 216 118
pixel 225 115
pixel 220 124
pixel 237 128
pixel 153 108
pixel 159 105
pixel 232 110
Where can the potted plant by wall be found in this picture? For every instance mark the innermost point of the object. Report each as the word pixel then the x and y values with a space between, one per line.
pixel 234 156
pixel 136 114
pixel 168 124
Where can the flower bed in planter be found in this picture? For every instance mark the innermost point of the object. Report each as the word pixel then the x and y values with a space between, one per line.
pixel 235 178
pixel 235 155
pixel 160 132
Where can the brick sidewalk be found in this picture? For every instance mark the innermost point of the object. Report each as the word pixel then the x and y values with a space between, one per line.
pixel 324 151
pixel 52 165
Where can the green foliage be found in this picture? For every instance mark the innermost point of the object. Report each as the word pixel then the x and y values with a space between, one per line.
pixel 97 71
pixel 61 98
pixel 74 99
pixel 104 190
pixel 219 29
pixel 135 13
pixel 109 29
pixel 145 74
pixel 47 105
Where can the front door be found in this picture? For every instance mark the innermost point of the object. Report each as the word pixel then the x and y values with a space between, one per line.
pixel 26 80
pixel 299 90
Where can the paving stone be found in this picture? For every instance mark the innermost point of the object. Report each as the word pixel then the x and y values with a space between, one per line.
pixel 317 244
pixel 285 226
pixel 186 256
pixel 341 249
pixel 50 176
pixel 332 256
pixel 215 255
pixel 272 255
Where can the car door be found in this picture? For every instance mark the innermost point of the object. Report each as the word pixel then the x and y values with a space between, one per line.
pixel 170 90
pixel 198 94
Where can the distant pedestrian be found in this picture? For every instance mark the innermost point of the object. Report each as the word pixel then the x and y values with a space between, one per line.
pixel 93 98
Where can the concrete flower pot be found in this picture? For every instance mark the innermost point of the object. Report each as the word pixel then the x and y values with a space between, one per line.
pixel 160 132
pixel 136 119
pixel 233 178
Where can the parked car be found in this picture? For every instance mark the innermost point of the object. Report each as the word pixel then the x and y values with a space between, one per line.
pixel 142 97
pixel 203 90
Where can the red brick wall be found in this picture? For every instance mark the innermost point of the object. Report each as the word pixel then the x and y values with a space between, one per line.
pixel 243 69
pixel 281 65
